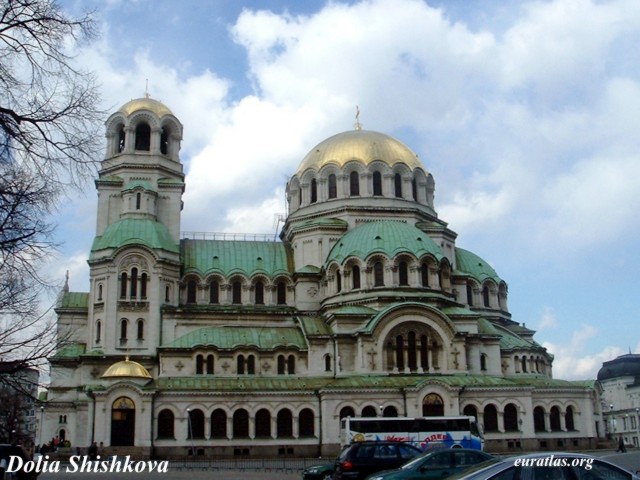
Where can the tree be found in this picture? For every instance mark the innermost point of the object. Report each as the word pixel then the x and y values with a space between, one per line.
pixel 49 143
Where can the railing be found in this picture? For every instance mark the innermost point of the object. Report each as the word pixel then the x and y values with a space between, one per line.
pixel 260 237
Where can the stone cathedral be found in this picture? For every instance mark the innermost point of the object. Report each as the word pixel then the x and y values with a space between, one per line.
pixel 250 346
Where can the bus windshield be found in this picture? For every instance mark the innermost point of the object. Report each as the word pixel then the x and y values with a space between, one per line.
pixel 425 432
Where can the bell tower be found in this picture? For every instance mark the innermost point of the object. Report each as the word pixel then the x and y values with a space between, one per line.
pixel 135 256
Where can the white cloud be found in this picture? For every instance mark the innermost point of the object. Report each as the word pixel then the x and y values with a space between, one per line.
pixel 575 360
pixel 548 319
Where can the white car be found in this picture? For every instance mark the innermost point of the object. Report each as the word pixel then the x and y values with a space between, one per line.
pixel 548 466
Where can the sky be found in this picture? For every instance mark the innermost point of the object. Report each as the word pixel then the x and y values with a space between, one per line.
pixel 525 112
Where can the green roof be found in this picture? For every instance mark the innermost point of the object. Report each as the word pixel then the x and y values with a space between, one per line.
pixel 73 350
pixel 135 231
pixel 471 264
pixel 356 382
pixel 74 300
pixel 387 237
pixel 267 338
pixel 139 184
pixel 314 326
pixel 235 256
pixel 354 310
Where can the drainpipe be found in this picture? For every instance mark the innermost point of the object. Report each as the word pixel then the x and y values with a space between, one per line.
pixel 152 453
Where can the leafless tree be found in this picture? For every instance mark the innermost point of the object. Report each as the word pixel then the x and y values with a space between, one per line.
pixel 49 143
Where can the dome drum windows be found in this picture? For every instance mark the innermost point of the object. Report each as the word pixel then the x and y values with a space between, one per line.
pixel 133 285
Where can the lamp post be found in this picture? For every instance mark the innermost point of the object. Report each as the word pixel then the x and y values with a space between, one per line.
pixel 41 425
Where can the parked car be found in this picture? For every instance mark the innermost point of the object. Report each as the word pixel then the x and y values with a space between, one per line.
pixel 439 464
pixel 6 452
pixel 361 459
pixel 322 471
pixel 548 466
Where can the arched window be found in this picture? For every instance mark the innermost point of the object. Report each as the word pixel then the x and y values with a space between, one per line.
pixel 134 283
pixel 98 331
pixel 378 274
pixel 259 288
pixel 403 273
pixel 306 423
pixel 281 364
pixel 333 188
pixel 164 140
pixel 470 411
pixel 314 191
pixel 123 329
pixel 143 285
pixel 390 411
pixel 210 364
pixel 554 419
pixel 397 184
pixel 214 292
pixel 433 405
pixel 251 365
pixel 165 424
pixel 123 285
pixel 377 183
pixel 291 365
pixel 327 363
pixel 121 139
pixel 284 423
pixel 143 137
pixel 470 294
pixel 199 364
pixel 354 184
pixel 100 292
pixel 236 293
pixel 400 352
pixel 510 418
pixel 483 361
pixel 485 296
pixel 167 293
pixel 138 200
pixel 240 423
pixel 219 424
pixel 412 357
pixel 196 424
pixel 524 364
pixel 369 411
pixel 414 189
pixel 240 364
pixel 263 423
pixel 355 274
pixel 140 329
pixel 568 419
pixel 538 419
pixel 282 293
pixel 490 418
pixel 191 291
pixel 338 281
pixel 424 275
pixel 347 412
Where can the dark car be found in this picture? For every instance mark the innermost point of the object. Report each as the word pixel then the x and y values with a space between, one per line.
pixel 361 459
pixel 435 464
pixel 6 452
pixel 548 466
pixel 322 471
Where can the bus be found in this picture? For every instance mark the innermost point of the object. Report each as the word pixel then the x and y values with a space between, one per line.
pixel 424 432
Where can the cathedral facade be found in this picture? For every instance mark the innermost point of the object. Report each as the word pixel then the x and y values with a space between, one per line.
pixel 365 306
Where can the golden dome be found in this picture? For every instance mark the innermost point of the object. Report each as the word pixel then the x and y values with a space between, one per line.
pixel 126 368
pixel 146 103
pixel 363 146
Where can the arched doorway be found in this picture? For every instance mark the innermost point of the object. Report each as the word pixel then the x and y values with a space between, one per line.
pixel 123 422
pixel 433 406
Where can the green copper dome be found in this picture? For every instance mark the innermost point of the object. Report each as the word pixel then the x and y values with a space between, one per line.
pixel 468 263
pixel 387 237
pixel 135 231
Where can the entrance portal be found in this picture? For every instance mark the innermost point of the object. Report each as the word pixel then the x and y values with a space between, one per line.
pixel 123 422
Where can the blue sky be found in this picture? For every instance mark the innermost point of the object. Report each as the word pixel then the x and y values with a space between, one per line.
pixel 525 113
